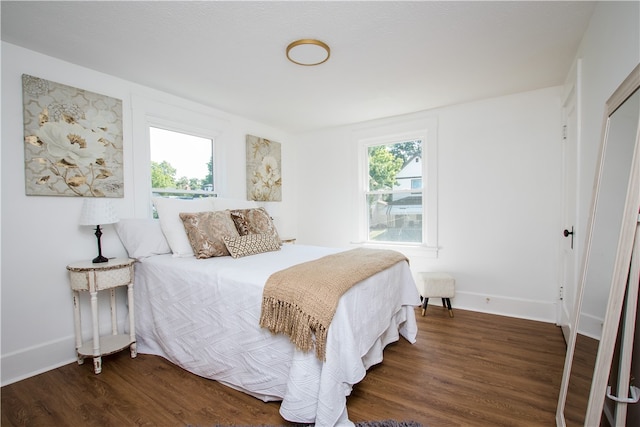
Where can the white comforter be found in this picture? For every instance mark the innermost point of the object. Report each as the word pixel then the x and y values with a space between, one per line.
pixel 203 316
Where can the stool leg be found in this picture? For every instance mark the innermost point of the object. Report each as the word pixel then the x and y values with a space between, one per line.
pixel 448 306
pixel 425 301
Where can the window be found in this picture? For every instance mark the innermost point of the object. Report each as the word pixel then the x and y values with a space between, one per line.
pixel 397 192
pixel 181 164
pixel 394 198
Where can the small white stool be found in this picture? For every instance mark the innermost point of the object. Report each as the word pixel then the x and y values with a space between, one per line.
pixel 436 285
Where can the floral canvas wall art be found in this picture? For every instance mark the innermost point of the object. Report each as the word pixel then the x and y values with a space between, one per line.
pixel 264 181
pixel 72 141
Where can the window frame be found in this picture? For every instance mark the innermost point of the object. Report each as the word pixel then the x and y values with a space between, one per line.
pixel 179 116
pixel 426 130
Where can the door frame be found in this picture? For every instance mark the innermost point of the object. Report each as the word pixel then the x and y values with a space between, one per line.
pixel 569 258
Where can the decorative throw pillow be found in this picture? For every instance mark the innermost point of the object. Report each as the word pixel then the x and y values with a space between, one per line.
pixel 168 213
pixel 254 221
pixel 251 244
pixel 206 231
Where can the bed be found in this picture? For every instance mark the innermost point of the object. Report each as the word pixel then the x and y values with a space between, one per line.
pixel 204 315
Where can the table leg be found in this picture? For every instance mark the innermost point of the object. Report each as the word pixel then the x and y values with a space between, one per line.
pixel 132 322
pixel 97 364
pixel 114 315
pixel 78 328
pixel 97 360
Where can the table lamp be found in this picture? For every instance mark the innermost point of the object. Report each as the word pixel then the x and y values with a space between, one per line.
pixel 97 212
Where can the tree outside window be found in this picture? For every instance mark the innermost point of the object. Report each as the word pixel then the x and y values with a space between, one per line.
pixel 181 164
pixel 395 192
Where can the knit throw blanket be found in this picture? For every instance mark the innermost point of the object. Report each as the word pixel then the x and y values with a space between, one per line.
pixel 300 301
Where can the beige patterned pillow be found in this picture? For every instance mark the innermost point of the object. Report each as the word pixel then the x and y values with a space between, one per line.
pixel 206 230
pixel 251 244
pixel 254 221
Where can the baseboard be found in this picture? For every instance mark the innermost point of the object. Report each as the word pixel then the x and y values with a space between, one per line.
pixel 566 314
pixel 590 326
pixel 35 360
pixel 542 311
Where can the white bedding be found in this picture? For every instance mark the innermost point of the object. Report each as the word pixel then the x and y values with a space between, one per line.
pixel 203 316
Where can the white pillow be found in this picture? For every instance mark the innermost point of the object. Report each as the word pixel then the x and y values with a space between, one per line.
pixel 169 213
pixel 142 237
pixel 224 203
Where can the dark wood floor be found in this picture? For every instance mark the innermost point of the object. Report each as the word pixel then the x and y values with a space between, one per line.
pixel 473 370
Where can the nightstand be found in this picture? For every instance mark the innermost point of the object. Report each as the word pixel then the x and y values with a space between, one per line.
pixel 87 276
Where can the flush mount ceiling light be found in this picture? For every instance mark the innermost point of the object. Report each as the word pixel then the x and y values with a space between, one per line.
pixel 308 52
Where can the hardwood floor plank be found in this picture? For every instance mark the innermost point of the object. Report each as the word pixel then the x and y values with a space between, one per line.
pixel 471 370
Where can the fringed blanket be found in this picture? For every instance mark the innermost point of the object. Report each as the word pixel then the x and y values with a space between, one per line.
pixel 300 301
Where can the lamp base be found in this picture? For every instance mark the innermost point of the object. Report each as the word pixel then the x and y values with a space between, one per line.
pixel 99 259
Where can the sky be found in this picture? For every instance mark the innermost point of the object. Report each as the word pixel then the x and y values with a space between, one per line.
pixel 188 154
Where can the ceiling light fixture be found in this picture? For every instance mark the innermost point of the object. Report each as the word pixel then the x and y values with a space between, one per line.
pixel 308 52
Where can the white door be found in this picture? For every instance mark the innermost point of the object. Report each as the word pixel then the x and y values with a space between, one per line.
pixel 569 254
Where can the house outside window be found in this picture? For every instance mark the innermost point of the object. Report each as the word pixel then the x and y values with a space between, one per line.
pixel 394 197
pixel 397 194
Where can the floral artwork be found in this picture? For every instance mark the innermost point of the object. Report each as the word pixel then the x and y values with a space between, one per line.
pixel 264 182
pixel 72 141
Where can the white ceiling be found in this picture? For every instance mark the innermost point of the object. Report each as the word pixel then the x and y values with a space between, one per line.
pixel 387 58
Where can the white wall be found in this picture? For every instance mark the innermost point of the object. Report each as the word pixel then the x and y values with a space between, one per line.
pixel 499 199
pixel 41 235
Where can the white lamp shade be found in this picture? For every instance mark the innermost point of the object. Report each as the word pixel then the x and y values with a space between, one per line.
pixel 97 212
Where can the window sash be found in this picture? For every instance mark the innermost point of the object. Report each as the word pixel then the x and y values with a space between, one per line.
pixel 168 192
pixel 424 128
pixel 395 223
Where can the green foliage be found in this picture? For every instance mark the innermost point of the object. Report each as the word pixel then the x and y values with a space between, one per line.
pixel 195 184
pixel 163 175
pixel 185 183
pixel 407 150
pixel 209 178
pixel 383 168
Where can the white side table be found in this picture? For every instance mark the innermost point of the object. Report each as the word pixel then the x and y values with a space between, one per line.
pixel 87 276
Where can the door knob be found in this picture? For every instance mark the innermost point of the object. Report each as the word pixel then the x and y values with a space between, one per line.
pixel 568 233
